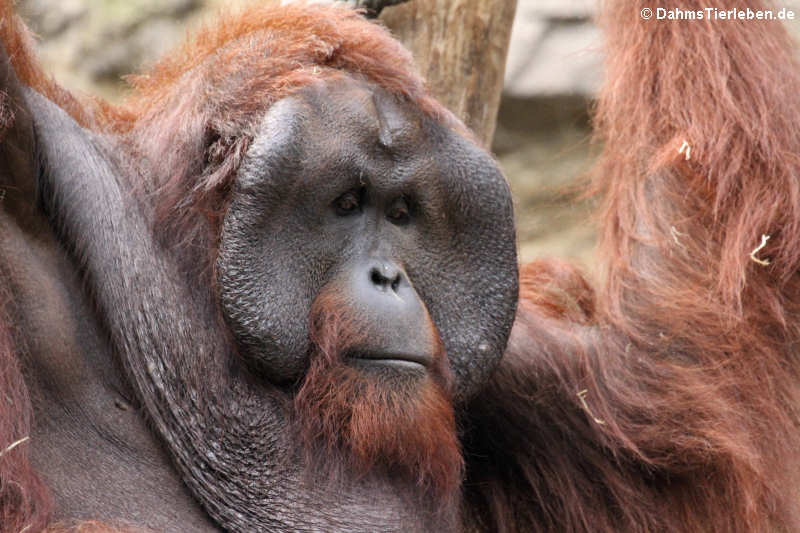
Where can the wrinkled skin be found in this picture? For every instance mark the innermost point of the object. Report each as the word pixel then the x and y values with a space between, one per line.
pixel 411 213
pixel 146 412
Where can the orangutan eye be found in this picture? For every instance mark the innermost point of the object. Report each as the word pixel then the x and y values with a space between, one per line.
pixel 348 203
pixel 399 212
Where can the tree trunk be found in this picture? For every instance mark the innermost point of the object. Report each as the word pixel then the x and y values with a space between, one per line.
pixel 460 47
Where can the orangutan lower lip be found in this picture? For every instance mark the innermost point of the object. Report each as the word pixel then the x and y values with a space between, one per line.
pixel 391 358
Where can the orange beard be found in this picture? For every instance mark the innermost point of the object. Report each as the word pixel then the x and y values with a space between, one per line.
pixel 364 421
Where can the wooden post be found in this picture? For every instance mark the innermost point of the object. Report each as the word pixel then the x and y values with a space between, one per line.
pixel 460 47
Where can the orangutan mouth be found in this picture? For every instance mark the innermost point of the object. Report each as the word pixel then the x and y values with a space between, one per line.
pixel 397 360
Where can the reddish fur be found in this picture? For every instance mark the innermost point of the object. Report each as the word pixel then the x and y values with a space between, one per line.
pixel 690 357
pixel 24 501
pixel 558 290
pixel 191 119
pixel 687 351
pixel 361 422
pixel 19 45
pixel 194 115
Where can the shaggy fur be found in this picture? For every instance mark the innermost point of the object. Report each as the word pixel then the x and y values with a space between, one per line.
pixel 670 399
pixel 193 116
pixel 191 119
pixel 23 499
pixel 666 399
pixel 408 428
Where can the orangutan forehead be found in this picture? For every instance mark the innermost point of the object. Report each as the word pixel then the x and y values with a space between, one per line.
pixel 385 118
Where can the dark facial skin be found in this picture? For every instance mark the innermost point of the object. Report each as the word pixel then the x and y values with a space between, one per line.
pixel 405 218
pixel 345 190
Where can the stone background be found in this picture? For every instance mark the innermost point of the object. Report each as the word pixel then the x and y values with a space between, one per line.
pixel 543 134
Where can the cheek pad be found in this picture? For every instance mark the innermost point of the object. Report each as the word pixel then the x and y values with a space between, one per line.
pixel 467 266
pixel 471 298
pixel 264 294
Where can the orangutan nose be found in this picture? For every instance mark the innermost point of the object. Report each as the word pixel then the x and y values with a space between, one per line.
pixel 387 276
pixel 391 314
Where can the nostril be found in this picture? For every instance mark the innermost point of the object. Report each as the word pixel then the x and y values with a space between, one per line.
pixel 386 277
pixel 377 278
